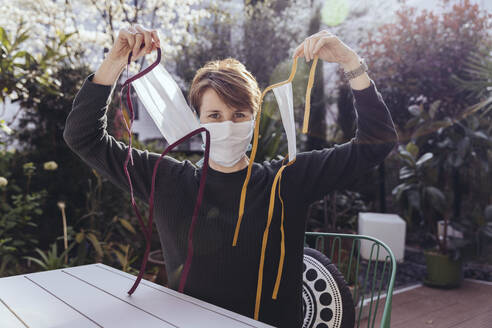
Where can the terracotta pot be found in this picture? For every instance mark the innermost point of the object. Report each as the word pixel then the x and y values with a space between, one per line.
pixel 156 257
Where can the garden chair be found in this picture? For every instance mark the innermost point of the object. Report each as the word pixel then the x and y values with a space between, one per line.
pixel 371 282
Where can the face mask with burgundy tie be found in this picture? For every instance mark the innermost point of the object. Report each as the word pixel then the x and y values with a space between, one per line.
pixel 225 143
pixel 175 134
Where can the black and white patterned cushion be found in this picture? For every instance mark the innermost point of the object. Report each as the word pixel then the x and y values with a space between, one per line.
pixel 327 301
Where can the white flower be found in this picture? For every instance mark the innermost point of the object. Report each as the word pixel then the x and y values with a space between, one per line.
pixel 61 204
pixel 3 182
pixel 50 166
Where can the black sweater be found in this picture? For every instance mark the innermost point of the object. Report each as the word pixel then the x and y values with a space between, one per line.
pixel 220 273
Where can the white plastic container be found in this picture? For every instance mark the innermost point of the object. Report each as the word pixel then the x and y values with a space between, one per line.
pixel 389 228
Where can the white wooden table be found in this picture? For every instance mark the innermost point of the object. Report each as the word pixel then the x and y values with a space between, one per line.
pixel 95 295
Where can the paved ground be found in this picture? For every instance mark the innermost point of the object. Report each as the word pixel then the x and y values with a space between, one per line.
pixel 423 307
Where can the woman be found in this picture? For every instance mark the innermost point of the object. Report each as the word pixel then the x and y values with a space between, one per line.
pixel 226 96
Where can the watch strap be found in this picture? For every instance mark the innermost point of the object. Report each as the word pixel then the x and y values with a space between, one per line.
pixel 356 72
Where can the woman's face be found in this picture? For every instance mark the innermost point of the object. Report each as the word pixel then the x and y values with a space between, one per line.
pixel 213 109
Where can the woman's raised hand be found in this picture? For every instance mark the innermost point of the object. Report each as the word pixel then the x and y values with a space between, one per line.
pixel 137 39
pixel 328 47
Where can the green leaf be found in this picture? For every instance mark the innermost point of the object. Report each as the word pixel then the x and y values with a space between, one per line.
pixel 406 172
pixel 21 38
pixel 412 149
pixel 42 254
pixel 127 225
pixel 4 39
pixel 407 157
pixel 64 37
pixel 401 188
pixel 19 54
pixel 424 159
pixel 434 108
pixel 481 135
pixel 35 260
pixel 79 237
pixel 120 256
pixel 95 242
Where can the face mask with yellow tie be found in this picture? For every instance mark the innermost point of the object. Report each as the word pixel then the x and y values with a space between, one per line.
pixel 283 95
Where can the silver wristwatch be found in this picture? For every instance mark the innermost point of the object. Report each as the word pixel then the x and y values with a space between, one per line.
pixel 356 72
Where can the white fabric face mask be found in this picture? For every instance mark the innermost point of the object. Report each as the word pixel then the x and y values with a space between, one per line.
pixel 165 103
pixel 285 101
pixel 229 141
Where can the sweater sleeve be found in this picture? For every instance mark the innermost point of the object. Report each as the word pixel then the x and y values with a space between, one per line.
pixel 319 172
pixel 85 134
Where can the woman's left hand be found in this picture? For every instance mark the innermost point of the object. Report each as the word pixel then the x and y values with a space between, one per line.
pixel 328 47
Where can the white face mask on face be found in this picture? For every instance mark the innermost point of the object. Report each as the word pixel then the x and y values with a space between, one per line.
pixel 229 141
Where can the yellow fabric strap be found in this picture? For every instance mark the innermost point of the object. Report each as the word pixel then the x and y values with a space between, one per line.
pixel 282 243
pixel 307 109
pixel 277 179
pixel 255 146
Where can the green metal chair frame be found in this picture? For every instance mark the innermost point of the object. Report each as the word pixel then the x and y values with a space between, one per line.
pixel 335 239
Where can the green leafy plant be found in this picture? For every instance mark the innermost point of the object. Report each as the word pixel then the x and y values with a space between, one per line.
pixel 336 212
pixel 477 80
pixel 19 69
pixel 107 238
pixel 125 258
pixel 417 194
pixel 17 223
pixel 51 260
pixel 421 200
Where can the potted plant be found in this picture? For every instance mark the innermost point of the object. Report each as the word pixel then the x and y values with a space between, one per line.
pixel 156 258
pixel 421 200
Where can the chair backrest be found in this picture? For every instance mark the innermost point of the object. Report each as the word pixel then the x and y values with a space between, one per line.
pixel 370 280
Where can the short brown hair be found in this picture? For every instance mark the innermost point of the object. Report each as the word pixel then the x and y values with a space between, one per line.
pixel 232 82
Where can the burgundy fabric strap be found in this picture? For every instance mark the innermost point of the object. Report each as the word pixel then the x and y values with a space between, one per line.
pixel 147 231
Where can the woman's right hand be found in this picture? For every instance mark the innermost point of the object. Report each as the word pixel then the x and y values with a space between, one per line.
pixel 137 39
